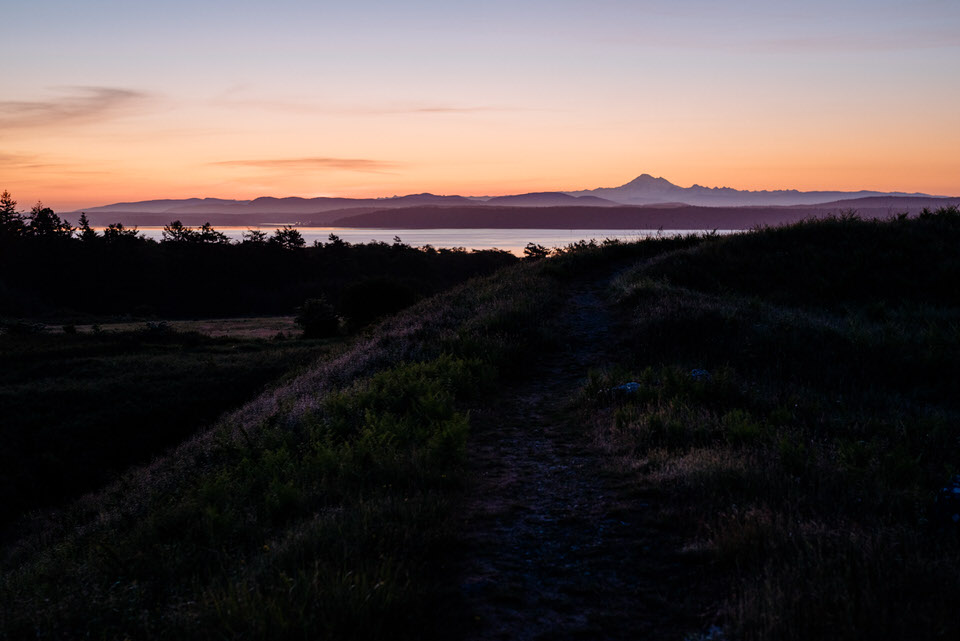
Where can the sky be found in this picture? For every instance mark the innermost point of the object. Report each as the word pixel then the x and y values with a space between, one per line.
pixel 103 102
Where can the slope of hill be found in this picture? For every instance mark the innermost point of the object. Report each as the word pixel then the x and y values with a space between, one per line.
pixel 271 205
pixel 166 205
pixel 876 205
pixel 747 432
pixel 549 199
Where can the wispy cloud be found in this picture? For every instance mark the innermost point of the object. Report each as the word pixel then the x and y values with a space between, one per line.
pixel 232 98
pixel 848 42
pixel 45 166
pixel 16 160
pixel 81 105
pixel 362 165
pixel 457 110
pixel 29 161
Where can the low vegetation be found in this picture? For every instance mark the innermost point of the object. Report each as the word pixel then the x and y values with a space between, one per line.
pixel 795 434
pixel 317 510
pixel 797 409
pixel 79 407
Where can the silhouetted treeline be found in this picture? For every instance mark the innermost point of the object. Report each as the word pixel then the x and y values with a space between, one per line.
pixel 49 267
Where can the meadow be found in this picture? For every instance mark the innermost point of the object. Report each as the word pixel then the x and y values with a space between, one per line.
pixel 793 418
pixel 325 495
pixel 78 408
pixel 797 408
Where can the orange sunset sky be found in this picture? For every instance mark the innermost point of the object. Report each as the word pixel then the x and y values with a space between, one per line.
pixel 117 101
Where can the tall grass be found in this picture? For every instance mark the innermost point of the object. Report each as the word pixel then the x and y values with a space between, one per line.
pixel 77 409
pixel 806 462
pixel 802 465
pixel 315 511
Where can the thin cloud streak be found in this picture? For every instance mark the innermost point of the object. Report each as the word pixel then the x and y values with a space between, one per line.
pixel 905 41
pixel 17 160
pixel 456 110
pixel 438 109
pixel 740 41
pixel 41 167
pixel 361 165
pixel 315 108
pixel 26 161
pixel 87 104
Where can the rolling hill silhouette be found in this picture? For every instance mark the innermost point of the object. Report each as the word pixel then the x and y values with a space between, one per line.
pixel 663 203
pixel 646 189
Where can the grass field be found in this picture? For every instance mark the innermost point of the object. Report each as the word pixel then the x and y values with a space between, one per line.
pixel 797 406
pixel 326 495
pixel 795 412
pixel 80 408
pixel 255 327
pixel 252 327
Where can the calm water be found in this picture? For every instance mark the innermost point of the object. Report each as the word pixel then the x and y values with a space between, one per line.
pixel 513 240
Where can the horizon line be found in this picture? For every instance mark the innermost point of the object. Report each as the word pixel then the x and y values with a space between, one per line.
pixel 893 193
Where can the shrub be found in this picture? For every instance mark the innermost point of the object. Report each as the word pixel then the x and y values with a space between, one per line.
pixel 22 328
pixel 317 318
pixel 533 251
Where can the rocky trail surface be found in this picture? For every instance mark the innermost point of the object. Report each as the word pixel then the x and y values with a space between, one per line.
pixel 556 544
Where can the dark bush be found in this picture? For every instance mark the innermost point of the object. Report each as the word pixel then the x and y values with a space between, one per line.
pixel 317 318
pixel 533 251
pixel 22 328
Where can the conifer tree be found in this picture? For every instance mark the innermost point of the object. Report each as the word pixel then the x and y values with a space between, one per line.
pixel 11 222
pixel 86 233
pixel 44 223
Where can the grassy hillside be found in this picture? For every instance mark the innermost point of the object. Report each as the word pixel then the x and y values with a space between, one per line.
pixel 315 507
pixel 796 435
pixel 797 406
pixel 80 408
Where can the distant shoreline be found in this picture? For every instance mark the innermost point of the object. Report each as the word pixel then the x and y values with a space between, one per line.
pixel 679 217
pixel 512 240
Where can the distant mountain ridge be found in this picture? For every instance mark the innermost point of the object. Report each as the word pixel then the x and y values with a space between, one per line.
pixel 273 205
pixel 645 190
pixel 648 190
pixel 550 199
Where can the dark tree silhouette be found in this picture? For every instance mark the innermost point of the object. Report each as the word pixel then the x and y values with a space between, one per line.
pixel 11 222
pixel 177 232
pixel 534 251
pixel 84 231
pixel 257 276
pixel 288 238
pixel 254 237
pixel 117 233
pixel 44 223
pixel 336 241
pixel 207 234
pixel 317 318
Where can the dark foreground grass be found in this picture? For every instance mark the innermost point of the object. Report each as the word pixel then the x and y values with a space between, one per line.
pixel 315 511
pixel 802 468
pixel 805 463
pixel 79 408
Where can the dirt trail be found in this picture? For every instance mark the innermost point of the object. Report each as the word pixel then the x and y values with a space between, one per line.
pixel 555 547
